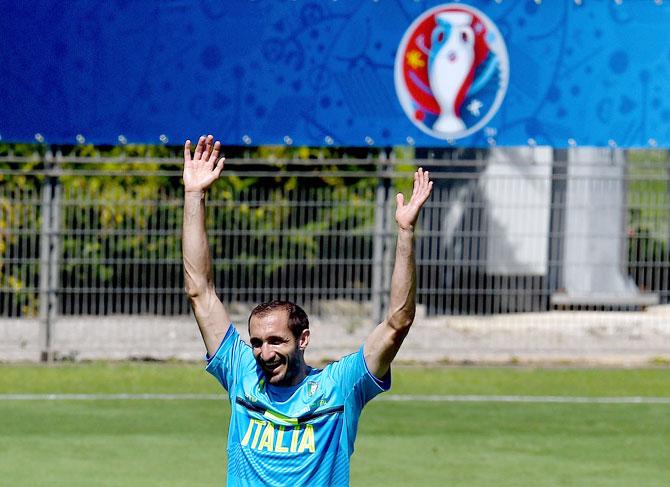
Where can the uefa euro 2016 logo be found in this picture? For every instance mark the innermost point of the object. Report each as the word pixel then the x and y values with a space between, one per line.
pixel 451 71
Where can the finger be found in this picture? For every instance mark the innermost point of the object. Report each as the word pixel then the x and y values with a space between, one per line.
pixel 219 167
pixel 417 181
pixel 187 151
pixel 199 148
pixel 400 200
pixel 215 153
pixel 426 194
pixel 208 147
pixel 427 191
pixel 422 188
pixel 425 182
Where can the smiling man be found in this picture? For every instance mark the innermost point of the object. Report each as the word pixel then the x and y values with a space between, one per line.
pixel 279 334
pixel 291 424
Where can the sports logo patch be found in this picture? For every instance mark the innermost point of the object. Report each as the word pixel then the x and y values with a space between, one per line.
pixel 311 388
pixel 451 71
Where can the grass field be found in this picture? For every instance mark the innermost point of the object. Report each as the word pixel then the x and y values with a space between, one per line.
pixel 420 442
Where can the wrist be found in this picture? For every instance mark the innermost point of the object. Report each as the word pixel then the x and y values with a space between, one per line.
pixel 409 231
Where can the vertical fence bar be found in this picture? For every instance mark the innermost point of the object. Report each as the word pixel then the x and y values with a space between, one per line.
pixel 48 267
pixel 557 221
pixel 55 251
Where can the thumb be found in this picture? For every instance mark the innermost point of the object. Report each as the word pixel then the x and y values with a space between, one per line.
pixel 400 200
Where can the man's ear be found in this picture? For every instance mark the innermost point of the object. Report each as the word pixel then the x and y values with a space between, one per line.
pixel 303 341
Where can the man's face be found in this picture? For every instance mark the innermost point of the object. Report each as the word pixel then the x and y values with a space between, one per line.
pixel 275 348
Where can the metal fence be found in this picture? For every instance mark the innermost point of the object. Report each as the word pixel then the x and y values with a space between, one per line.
pixel 506 231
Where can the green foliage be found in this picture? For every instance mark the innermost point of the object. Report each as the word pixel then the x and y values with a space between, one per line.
pixel 115 202
pixel 649 219
pixel 19 192
pixel 277 230
pixel 649 192
pixel 119 194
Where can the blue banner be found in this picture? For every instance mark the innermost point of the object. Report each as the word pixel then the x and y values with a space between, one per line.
pixel 346 73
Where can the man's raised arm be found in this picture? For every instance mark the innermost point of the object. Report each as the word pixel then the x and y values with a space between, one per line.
pixel 200 171
pixel 385 340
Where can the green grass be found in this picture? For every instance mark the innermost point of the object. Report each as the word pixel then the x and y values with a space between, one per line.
pixel 179 443
pixel 148 377
pixel 485 444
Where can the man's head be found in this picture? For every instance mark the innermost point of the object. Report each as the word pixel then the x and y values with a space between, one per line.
pixel 279 334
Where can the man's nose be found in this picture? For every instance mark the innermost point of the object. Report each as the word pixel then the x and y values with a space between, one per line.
pixel 266 352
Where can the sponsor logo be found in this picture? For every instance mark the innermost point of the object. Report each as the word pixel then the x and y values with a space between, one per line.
pixel 266 436
pixel 451 71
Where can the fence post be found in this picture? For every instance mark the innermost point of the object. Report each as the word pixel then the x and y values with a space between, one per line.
pixel 50 202
pixel 559 182
pixel 379 240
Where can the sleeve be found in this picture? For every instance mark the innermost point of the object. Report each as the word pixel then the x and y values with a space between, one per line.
pixel 232 357
pixel 352 375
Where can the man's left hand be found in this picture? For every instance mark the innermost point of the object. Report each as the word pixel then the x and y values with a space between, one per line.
pixel 407 214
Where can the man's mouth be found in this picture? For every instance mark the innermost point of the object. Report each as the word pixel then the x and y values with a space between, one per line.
pixel 271 366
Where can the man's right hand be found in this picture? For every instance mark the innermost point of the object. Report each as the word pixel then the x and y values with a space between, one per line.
pixel 203 168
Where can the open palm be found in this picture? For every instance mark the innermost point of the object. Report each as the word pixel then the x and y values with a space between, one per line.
pixel 407 214
pixel 204 167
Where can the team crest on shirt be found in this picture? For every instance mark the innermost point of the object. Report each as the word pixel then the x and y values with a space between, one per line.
pixel 451 71
pixel 311 388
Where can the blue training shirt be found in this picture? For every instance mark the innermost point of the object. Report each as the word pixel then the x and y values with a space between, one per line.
pixel 299 435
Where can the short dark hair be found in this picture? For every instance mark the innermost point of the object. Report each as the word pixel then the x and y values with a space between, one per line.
pixel 297 318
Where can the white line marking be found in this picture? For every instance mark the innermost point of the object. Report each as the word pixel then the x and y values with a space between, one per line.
pixel 384 398
pixel 529 399
pixel 110 397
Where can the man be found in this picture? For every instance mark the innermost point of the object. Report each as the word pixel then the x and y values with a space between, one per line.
pixel 291 424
